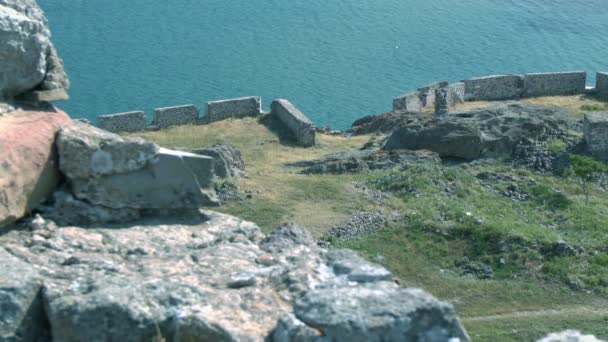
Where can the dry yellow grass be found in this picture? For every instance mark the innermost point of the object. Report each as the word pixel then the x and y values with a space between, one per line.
pixel 279 193
pixel 579 104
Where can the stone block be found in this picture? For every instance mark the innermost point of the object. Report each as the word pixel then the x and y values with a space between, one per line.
pixel 427 93
pixel 233 108
pixel 175 116
pixel 295 120
pixel 456 93
pixel 555 83
pixel 409 102
pixel 596 134
pixel 123 122
pixel 441 102
pixel 601 85
pixel 493 88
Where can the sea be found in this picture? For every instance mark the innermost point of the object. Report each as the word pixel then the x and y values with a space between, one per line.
pixel 336 60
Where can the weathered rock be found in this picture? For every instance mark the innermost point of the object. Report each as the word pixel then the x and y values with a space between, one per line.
pixel 214 277
pixel 569 336
pixel 21 311
pixel 360 223
pixel 174 180
pixel 227 160
pixel 365 160
pixel 346 314
pixel 28 166
pixel 29 59
pixel 441 102
pixel 384 123
pixel 491 132
pixel 90 152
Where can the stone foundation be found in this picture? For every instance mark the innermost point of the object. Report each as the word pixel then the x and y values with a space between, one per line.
pixel 123 122
pixel 596 134
pixel 174 116
pixel 295 120
pixel 233 108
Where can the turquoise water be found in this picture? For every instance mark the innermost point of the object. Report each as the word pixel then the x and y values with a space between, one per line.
pixel 336 60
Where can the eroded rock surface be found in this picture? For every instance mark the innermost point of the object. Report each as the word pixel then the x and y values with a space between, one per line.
pixel 30 63
pixel 492 132
pixel 227 160
pixel 212 277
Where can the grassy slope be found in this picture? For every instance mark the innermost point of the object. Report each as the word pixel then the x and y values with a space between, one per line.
pixel 527 296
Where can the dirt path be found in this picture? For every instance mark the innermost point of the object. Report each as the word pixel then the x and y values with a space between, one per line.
pixel 580 310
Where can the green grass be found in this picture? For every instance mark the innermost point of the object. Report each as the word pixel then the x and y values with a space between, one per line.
pixel 448 215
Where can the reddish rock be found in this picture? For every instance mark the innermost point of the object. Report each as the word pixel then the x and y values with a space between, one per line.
pixel 28 165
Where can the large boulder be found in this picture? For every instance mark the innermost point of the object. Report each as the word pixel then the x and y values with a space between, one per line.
pixel 30 64
pixel 490 132
pixel 107 170
pixel 213 277
pixel 28 167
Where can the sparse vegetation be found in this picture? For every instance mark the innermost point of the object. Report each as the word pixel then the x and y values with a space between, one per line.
pixel 588 171
pixel 546 247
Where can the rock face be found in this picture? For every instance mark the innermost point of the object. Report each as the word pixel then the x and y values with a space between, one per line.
pixel 104 169
pixel 28 168
pixel 227 160
pixel 366 160
pixel 492 132
pixel 209 277
pixel 30 64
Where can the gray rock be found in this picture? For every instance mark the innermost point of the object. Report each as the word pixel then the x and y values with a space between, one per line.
pixel 64 209
pixel 360 223
pixel 365 160
pixel 379 314
pixel 227 160
pixel 22 316
pixel 596 134
pixel 107 170
pixel 569 336
pixel 29 59
pixel 204 277
pixel 89 152
pixel 490 133
pixel 441 102
pixel 174 180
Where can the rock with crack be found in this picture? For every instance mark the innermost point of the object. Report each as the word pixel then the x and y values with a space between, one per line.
pixel 104 169
pixel 213 277
pixel 31 67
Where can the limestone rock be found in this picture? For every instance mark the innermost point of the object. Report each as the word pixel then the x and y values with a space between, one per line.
pixel 29 59
pixel 28 167
pixel 204 277
pixel 227 160
pixel 396 314
pixel 21 318
pixel 491 132
pixel 89 152
pixel 105 169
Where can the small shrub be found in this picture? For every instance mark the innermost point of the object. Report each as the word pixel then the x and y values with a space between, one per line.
pixel 556 145
pixel 587 170
pixel 593 107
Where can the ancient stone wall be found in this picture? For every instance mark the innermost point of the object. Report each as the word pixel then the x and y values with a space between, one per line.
pixel 555 83
pixel 233 108
pixel 456 93
pixel 493 88
pixel 295 120
pixel 596 134
pixel 427 93
pixel 601 85
pixel 123 122
pixel 177 115
pixel 409 102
